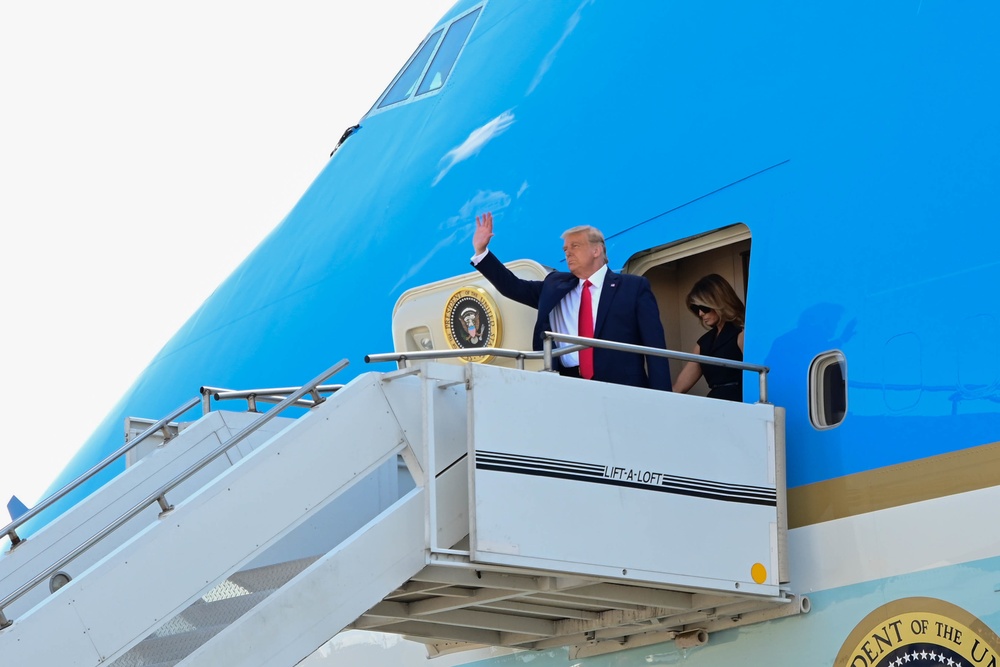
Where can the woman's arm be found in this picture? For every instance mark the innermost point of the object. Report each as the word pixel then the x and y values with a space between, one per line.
pixel 689 375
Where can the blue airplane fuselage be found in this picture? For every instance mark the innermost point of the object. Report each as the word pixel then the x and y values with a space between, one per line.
pixel 858 142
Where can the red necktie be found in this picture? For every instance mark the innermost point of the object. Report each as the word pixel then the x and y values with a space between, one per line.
pixel 586 330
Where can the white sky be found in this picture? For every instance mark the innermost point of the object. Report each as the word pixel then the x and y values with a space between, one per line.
pixel 145 149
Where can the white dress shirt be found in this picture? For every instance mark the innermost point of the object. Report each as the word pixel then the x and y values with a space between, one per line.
pixel 565 317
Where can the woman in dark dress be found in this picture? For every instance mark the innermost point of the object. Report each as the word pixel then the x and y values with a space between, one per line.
pixel 713 301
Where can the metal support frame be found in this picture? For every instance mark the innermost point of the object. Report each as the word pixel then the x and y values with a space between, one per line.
pixel 11 529
pixel 158 496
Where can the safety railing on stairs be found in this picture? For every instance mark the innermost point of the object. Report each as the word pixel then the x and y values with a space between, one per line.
pixel 274 396
pixel 293 398
pixel 10 530
pixel 576 343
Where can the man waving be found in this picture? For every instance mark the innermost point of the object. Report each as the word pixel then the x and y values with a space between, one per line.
pixel 591 301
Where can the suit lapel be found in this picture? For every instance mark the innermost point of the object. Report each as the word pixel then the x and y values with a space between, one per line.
pixel 561 286
pixel 608 292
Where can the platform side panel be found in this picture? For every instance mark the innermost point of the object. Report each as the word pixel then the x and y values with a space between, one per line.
pixel 606 480
pixel 64 534
pixel 327 596
pixel 99 617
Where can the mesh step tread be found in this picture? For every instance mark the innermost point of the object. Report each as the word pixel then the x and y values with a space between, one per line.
pixel 269 577
pixel 212 613
pixel 189 630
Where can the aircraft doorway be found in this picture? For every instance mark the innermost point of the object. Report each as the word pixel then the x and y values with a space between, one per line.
pixel 672 270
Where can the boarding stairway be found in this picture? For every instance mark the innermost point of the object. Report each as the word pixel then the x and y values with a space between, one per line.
pixel 458 505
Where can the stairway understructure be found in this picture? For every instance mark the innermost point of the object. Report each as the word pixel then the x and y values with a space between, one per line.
pixel 506 528
pixel 453 609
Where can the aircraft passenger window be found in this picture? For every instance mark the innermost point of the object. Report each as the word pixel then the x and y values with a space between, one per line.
pixel 446 56
pixel 408 78
pixel 827 390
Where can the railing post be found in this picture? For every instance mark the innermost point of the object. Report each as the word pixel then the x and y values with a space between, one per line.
pixel 160 495
pixel 430 461
pixel 14 540
pixel 164 505
pixel 547 353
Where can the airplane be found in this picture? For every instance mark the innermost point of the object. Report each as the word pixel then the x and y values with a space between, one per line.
pixel 836 164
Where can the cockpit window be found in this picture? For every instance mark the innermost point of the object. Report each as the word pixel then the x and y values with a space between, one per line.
pixel 446 56
pixel 407 79
pixel 442 55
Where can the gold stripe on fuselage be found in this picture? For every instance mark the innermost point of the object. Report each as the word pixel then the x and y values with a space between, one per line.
pixel 892 486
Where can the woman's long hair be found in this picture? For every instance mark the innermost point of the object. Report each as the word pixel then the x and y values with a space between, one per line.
pixel 713 291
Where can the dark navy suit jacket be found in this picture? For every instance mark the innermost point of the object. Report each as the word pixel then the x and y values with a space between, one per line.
pixel 626 313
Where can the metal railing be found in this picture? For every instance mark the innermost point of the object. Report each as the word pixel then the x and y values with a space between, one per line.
pixel 403 358
pixel 551 336
pixel 274 396
pixel 10 530
pixel 575 343
pixel 160 495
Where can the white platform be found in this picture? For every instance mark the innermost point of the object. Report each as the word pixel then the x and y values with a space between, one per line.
pixel 656 514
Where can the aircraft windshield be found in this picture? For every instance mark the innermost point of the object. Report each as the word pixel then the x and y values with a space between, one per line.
pixel 446 56
pixel 406 81
pixel 442 55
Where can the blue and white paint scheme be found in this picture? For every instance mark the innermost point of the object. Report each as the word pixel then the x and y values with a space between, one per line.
pixel 839 163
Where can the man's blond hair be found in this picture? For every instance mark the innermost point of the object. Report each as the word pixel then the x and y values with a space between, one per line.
pixel 594 235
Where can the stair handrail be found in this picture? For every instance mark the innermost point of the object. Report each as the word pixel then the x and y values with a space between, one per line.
pixel 269 395
pixel 10 530
pixel 401 358
pixel 159 496
pixel 548 353
pixel 550 336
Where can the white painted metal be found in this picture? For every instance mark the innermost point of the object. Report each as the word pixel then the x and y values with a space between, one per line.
pixel 463 601
pixel 313 532
pixel 332 592
pixel 57 539
pixel 207 537
pixel 417 324
pixel 691 502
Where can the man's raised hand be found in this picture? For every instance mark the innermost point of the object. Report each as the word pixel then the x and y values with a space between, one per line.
pixel 484 232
